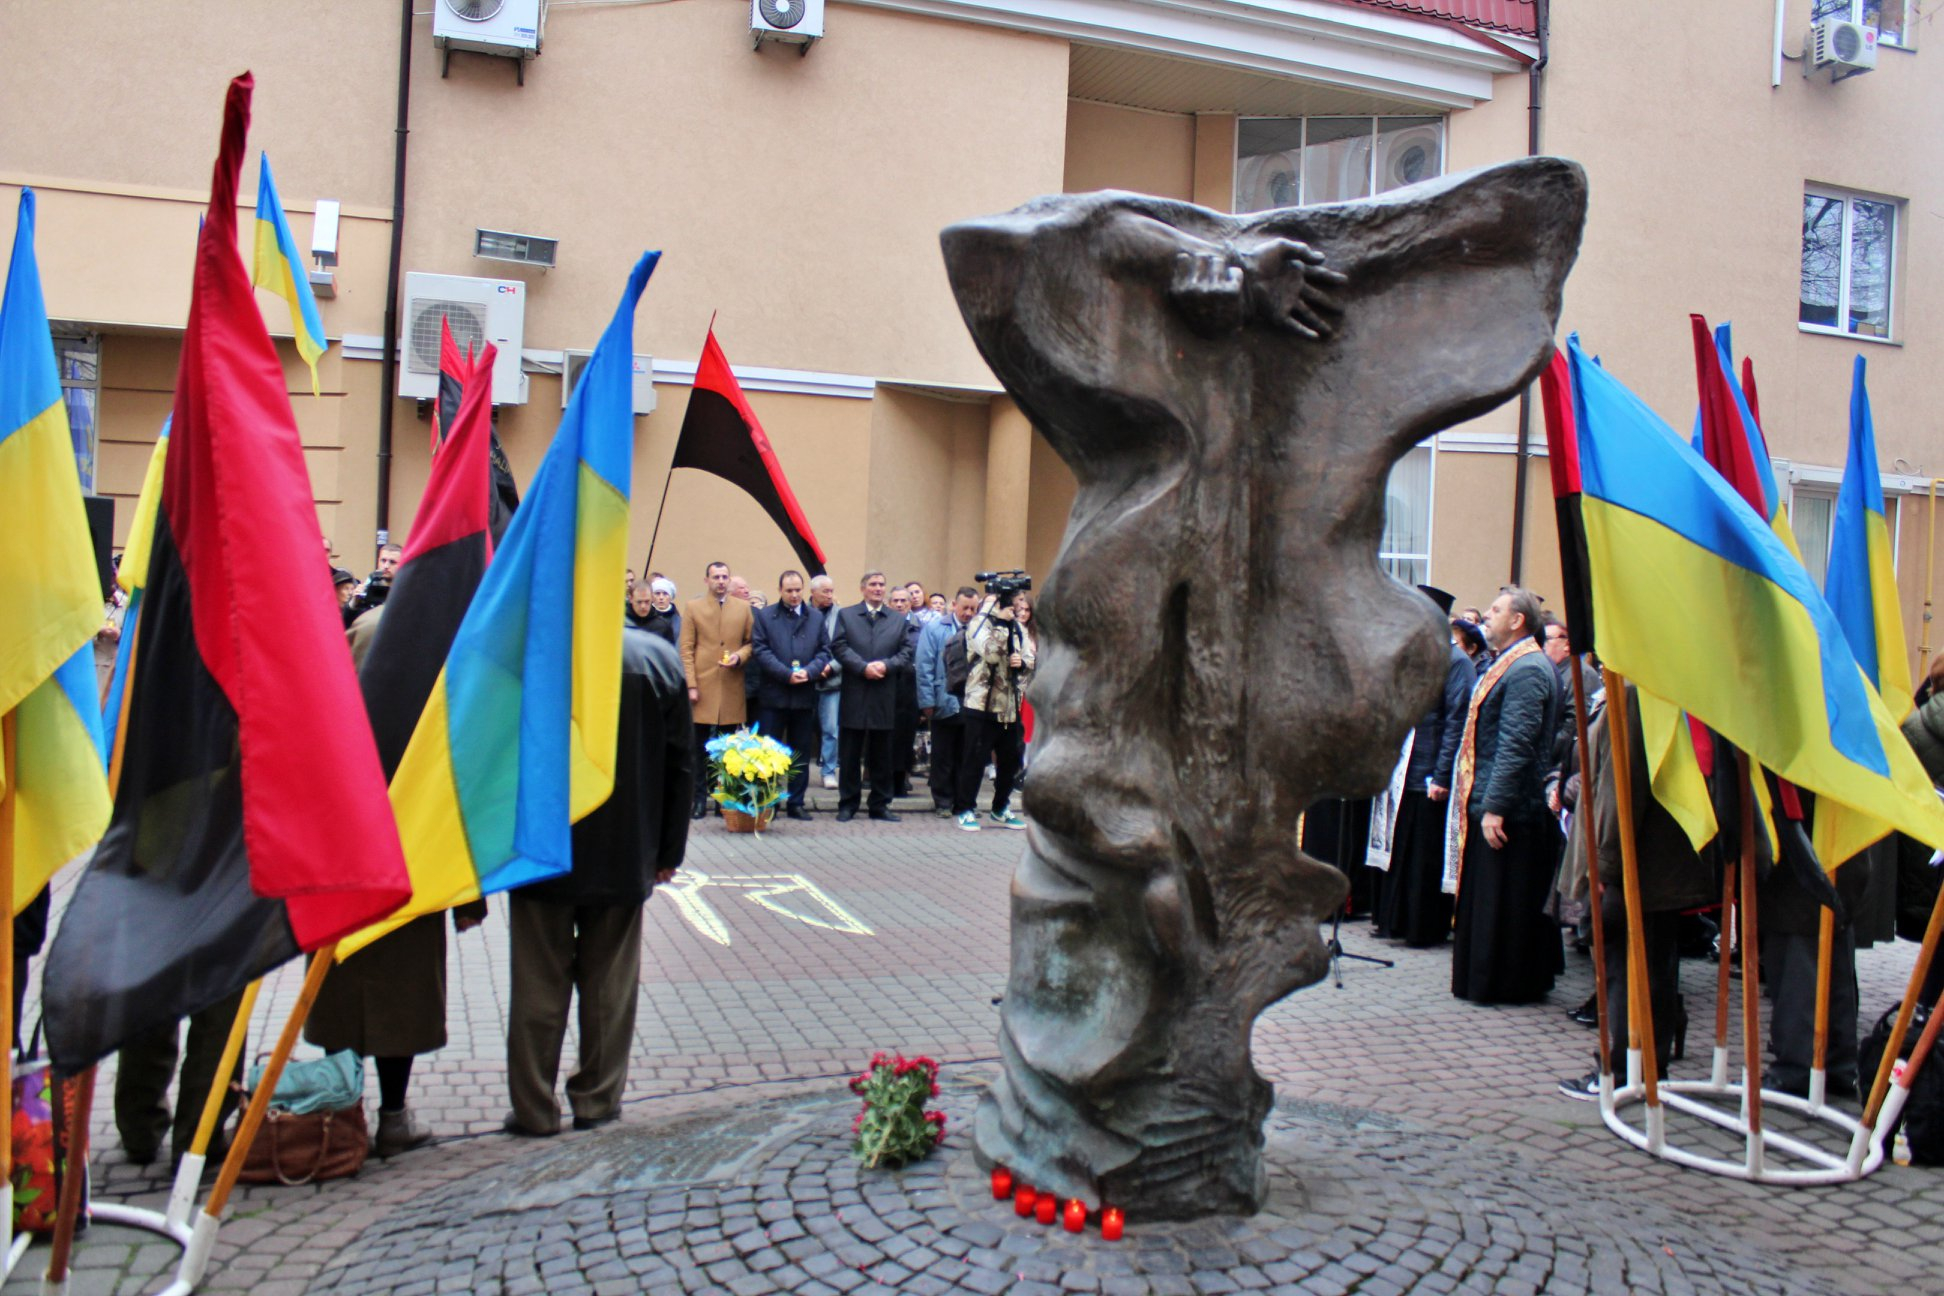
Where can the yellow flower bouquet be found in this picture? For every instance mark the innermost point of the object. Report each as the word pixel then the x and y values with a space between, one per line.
pixel 750 771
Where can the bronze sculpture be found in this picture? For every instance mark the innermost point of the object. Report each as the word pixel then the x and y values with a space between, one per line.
pixel 1230 392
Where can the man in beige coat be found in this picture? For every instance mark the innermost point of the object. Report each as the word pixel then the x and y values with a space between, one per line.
pixel 716 635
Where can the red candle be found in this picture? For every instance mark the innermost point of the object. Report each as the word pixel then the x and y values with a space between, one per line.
pixel 1111 1223
pixel 1023 1201
pixel 1075 1216
pixel 1046 1208
pixel 1001 1183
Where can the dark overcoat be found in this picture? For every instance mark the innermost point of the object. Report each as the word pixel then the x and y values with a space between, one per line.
pixel 863 637
pixel 643 826
pixel 783 637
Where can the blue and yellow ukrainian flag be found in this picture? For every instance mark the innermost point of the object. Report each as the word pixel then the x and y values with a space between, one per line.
pixel 516 742
pixel 49 587
pixel 1698 601
pixel 279 267
pixel 1861 586
pixel 132 576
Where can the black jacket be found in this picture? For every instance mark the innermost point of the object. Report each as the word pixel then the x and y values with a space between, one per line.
pixel 643 827
pixel 781 638
pixel 1435 748
pixel 1516 723
pixel 861 639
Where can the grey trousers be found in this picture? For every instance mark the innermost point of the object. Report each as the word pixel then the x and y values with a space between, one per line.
pixel 559 949
pixel 1790 962
pixel 147 1064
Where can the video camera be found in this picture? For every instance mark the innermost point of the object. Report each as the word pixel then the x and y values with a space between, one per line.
pixel 1002 585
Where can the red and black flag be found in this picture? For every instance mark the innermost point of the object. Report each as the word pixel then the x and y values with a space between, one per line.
pixel 250 821
pixel 455 371
pixel 451 543
pixel 1562 456
pixel 721 435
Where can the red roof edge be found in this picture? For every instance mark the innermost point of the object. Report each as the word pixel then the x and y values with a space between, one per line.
pixel 1513 17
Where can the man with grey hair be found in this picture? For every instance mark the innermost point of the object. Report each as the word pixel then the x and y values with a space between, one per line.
pixel 1507 950
pixel 823 602
pixel 875 650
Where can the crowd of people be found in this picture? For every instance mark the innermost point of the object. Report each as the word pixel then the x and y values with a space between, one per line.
pixel 899 684
pixel 1485 845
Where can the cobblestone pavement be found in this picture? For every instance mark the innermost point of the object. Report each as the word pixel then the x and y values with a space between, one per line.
pixel 1417 1144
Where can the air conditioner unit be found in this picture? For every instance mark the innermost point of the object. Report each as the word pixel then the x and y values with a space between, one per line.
pixel 789 22
pixel 509 28
pixel 572 362
pixel 1407 156
pixel 478 311
pixel 1844 47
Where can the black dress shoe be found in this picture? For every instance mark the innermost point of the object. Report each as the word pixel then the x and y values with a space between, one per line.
pixel 701 808
pixel 511 1125
pixel 885 816
pixel 845 816
pixel 797 812
pixel 595 1122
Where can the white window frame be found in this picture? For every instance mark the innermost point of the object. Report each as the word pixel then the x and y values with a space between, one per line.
pixel 1849 198
pixel 1852 10
pixel 1820 482
pixel 1370 173
pixel 89 471
pixel 1388 559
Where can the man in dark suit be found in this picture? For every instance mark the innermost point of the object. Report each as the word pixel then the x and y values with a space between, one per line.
pixel 872 647
pixel 792 653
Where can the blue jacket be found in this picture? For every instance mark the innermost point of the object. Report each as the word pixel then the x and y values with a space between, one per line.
pixel 931 668
pixel 779 639
pixel 1435 749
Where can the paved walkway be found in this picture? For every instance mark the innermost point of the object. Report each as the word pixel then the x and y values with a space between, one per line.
pixel 1417 1144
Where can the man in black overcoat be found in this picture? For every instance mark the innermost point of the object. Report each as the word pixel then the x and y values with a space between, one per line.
pixel 792 650
pixel 872 647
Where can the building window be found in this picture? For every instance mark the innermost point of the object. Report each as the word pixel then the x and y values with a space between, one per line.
pixel 79 360
pixel 1300 161
pixel 1848 246
pixel 1891 18
pixel 1809 517
pixel 1405 550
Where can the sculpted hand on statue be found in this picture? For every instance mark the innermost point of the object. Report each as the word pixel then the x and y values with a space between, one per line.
pixel 1277 282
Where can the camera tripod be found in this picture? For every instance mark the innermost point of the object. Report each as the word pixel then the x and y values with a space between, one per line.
pixel 1335 945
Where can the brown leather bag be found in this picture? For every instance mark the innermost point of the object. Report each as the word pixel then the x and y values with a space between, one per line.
pixel 303 1149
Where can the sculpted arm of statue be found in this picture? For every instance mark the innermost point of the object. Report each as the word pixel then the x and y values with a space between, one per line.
pixel 1219 287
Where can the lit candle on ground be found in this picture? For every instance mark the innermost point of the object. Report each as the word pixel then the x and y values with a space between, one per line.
pixel 1111 1223
pixel 1046 1208
pixel 1075 1217
pixel 1023 1201
pixel 1002 1184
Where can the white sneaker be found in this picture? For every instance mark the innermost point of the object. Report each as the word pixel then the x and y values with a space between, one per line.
pixel 969 821
pixel 830 781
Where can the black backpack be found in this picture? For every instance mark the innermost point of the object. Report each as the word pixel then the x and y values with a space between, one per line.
pixel 958 664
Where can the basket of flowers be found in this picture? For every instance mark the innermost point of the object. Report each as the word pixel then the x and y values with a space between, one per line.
pixel 751 773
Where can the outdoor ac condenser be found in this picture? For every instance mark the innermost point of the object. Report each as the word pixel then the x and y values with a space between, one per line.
pixel 1843 47
pixel 790 22
pixel 509 28
pixel 572 362
pixel 478 311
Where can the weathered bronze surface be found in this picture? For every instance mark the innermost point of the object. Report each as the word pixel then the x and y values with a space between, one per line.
pixel 1219 648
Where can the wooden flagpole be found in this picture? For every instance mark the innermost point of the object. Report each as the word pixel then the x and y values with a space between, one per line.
pixel 68 1211
pixel 1640 1008
pixel 1825 959
pixel 273 1069
pixel 1751 972
pixel 1925 953
pixel 182 1197
pixel 1596 895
